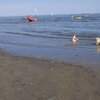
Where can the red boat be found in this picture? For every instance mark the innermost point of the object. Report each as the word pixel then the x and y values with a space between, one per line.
pixel 31 19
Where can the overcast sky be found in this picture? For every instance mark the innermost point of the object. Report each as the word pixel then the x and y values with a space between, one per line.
pixel 44 7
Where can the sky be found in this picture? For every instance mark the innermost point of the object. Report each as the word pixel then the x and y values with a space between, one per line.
pixel 46 7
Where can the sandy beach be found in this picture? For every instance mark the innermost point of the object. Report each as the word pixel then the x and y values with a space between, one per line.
pixel 23 78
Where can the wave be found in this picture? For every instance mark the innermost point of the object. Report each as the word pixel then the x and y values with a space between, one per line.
pixel 36 35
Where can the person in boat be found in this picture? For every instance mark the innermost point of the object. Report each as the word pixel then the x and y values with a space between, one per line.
pixel 31 19
pixel 74 38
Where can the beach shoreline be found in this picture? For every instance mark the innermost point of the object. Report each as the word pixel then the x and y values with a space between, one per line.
pixel 71 55
pixel 23 78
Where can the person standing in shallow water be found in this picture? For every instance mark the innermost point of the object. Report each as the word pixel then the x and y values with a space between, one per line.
pixel 74 39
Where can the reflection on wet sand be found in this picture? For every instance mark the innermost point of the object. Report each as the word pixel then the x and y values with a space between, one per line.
pixel 98 48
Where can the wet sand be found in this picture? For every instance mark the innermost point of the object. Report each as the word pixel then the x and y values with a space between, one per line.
pixel 23 78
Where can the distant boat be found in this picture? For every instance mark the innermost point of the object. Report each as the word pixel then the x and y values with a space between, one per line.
pixel 78 17
pixel 52 14
pixel 31 19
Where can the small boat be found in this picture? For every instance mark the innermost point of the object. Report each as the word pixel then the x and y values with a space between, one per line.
pixel 78 17
pixel 31 19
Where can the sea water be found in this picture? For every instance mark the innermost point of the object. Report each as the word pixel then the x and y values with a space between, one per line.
pixel 51 36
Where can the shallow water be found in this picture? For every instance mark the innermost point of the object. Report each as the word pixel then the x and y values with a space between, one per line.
pixel 51 37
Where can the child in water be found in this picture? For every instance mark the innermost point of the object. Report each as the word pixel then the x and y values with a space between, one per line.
pixel 74 38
